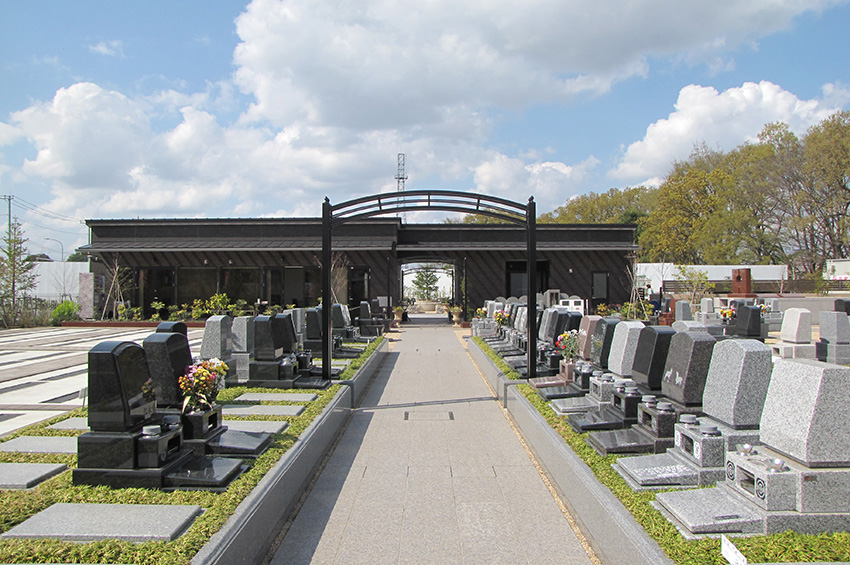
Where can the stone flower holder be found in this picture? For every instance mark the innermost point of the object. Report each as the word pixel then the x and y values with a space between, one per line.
pixel 197 424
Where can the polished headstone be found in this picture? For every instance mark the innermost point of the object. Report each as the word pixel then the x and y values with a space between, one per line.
pixel 585 335
pixel 737 382
pixel 834 328
pixel 687 367
pixel 805 412
pixel 688 326
pixel 651 357
pixel 120 389
pixel 173 327
pixel 268 338
pixel 600 343
pixel 313 322
pixel 683 310
pixel 748 321
pixel 796 326
pixel 243 334
pixel 168 356
pixel 624 347
pixel 218 340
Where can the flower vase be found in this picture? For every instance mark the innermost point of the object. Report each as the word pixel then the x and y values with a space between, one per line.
pixel 566 369
pixel 199 423
pixel 456 318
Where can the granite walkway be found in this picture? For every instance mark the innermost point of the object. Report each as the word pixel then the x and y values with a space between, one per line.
pixel 429 470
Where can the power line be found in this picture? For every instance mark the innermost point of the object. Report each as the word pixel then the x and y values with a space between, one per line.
pixel 29 206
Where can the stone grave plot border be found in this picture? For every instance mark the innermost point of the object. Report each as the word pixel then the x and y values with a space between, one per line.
pixel 609 527
pixel 249 532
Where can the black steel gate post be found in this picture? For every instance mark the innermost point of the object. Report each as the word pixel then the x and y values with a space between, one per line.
pixel 531 326
pixel 327 301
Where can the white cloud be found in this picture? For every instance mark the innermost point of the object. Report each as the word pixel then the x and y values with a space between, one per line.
pixel 8 134
pixel 720 119
pixel 114 48
pixel 384 64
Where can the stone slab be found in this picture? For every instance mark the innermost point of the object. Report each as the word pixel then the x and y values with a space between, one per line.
pixel 27 475
pixel 256 426
pixel 39 444
pixel 93 522
pixel 71 424
pixel 796 326
pixel 262 410
pixel 276 397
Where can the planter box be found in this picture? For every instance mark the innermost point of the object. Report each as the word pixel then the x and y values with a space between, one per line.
pixel 610 529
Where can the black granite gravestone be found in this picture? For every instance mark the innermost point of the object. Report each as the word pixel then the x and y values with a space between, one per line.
pixel 747 322
pixel 173 328
pixel 685 373
pixel 168 355
pixel 268 338
pixel 651 357
pixel 842 305
pixel 129 445
pixel 600 343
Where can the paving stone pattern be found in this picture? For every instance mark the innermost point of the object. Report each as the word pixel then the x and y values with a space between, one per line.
pixel 429 471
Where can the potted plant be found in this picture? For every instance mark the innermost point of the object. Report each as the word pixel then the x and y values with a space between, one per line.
pixel 456 314
pixel 398 314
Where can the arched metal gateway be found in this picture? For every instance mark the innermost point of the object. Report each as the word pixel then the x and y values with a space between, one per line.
pixel 435 200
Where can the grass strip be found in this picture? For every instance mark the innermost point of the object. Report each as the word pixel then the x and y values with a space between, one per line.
pixel 776 548
pixel 18 505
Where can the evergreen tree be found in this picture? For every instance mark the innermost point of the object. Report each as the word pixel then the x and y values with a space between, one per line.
pixel 425 282
pixel 17 275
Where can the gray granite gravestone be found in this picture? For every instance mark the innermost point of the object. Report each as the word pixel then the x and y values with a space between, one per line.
pixel 217 341
pixel 733 399
pixel 683 311
pixel 624 347
pixel 834 344
pixel 795 336
pixel 688 326
pixel 242 331
pixel 799 478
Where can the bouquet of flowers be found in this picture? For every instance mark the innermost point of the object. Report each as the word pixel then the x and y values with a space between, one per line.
pixel 501 317
pixel 201 383
pixel 764 308
pixel 480 313
pixel 567 342
pixel 727 313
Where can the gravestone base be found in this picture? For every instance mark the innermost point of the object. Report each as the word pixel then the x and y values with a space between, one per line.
pixel 600 394
pixel 621 414
pixel 548 381
pixel 722 510
pixel 697 459
pixel 628 441
pixel 838 353
pixel 240 369
pixel 271 374
pixel 794 350
pixel 758 477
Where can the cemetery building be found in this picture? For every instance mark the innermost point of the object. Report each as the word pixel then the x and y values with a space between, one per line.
pixel 278 261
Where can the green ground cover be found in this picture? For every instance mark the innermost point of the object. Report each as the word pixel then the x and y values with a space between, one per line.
pixel 18 505
pixel 777 548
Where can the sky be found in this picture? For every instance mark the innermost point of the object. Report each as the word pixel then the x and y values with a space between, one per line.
pixel 232 109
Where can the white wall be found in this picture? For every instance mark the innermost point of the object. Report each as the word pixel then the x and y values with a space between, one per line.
pixel 655 273
pixel 57 279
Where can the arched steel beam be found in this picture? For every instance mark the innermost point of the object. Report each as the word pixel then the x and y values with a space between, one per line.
pixel 432 200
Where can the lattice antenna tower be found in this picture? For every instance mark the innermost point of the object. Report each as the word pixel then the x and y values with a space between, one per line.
pixel 400 177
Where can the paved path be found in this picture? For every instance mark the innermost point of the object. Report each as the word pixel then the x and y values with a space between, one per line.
pixel 429 471
pixel 43 369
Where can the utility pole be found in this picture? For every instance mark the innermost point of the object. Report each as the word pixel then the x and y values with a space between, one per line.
pixel 400 177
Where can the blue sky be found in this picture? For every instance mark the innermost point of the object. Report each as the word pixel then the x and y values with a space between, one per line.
pixel 235 109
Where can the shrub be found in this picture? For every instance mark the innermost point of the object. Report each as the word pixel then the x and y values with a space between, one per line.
pixel 64 312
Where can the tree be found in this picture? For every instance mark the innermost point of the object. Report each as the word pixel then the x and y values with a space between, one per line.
pixel 17 275
pixel 617 206
pixel 425 282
